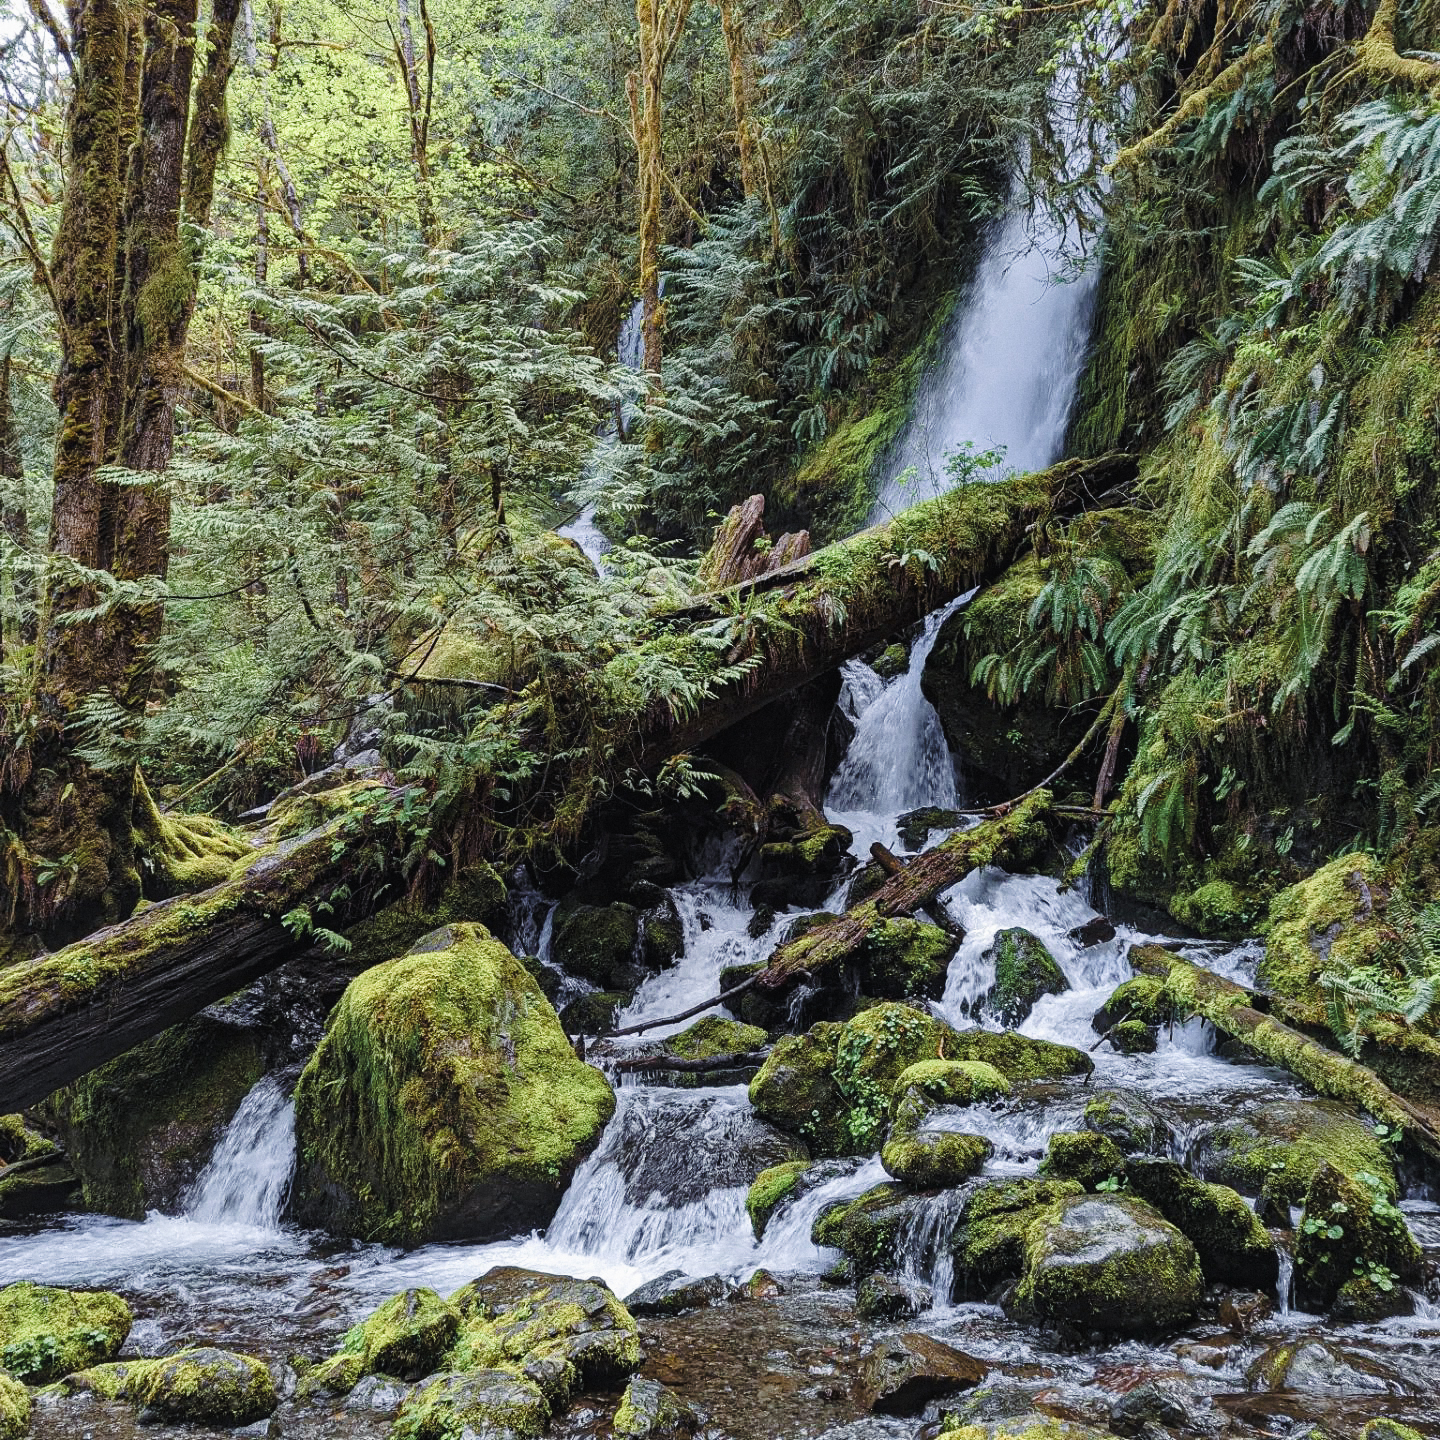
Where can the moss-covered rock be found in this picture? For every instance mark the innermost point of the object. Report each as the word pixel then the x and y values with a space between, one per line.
pixel 917 826
pixel 989 1241
pixel 594 1013
pixel 1233 1246
pixel 931 1083
pixel 796 1090
pixel 771 1188
pixel 1352 1235
pixel 651 1411
pixel 714 1035
pixel 904 957
pixel 19 1142
pixel 1144 999
pixel 1024 971
pixel 864 1230
pixel 139 1129
pixel 444 1101
pixel 662 935
pixel 1107 1263
pixel 1331 920
pixel 207 1386
pixel 598 943
pixel 49 1188
pixel 46 1333
pixel 1218 907
pixel 14 1408
pixel 1275 1150
pixel 1129 1121
pixel 1084 1156
pixel 1318 1367
pixel 893 660
pixel 476 894
pixel 935 1160
pixel 1018 1057
pixel 479 1403
pixel 406 1337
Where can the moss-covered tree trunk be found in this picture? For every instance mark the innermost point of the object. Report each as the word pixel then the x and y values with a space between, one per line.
pixel 142 144
pixel 14 525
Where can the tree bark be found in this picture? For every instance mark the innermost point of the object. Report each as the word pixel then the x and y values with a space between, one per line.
pixel 14 523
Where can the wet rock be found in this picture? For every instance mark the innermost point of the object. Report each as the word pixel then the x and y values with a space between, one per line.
pixel 771 1188
pixel 893 660
pixel 1233 1246
pixel 207 1387
pixel 14 1408
pixel 1024 972
pixel 1318 1367
pixel 864 883
pixel 1274 1149
pixel 377 1393
pixel 989 1241
pixel 407 1337
pixel 675 1292
pixel 44 1188
pixel 901 1374
pixel 710 1037
pixel 457 1058
pixel 917 826
pixel 1129 1121
pixel 1083 1156
pixel 796 1090
pixel 1028 1425
pixel 1107 1263
pixel 139 1129
pixel 1243 1310
pixel 762 1285
pixel 1385 1429
pixel 46 1332
pixel 864 1230
pixel 881 1297
pixel 802 871
pixel 1098 931
pixel 489 1404
pixel 905 957
pixel 662 936
pixel 1143 1000
pixel 1166 1403
pixel 1353 1246
pixel 1134 1037
pixel 652 1411
pixel 935 1160
pixel 1018 1057
pixel 922 1087
pixel 597 943
pixel 595 1013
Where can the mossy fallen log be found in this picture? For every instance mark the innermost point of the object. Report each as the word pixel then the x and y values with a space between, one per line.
pixel 1233 1010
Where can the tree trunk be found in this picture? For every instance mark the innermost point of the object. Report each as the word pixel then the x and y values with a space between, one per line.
pixel 14 523
pixel 741 87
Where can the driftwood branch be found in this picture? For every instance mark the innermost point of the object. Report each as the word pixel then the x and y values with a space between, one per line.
pixel 743 1060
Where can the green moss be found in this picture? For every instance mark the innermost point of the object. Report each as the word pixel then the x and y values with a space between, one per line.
pixel 1145 998
pixel 596 942
pixel 989 1242
pixel 477 894
pixel 892 661
pixel 483 1402
pixel 205 1387
pixel 715 1035
pixel 951 1082
pixel 46 1333
pixel 19 1142
pixel 796 1090
pixel 444 1084
pixel 1018 1057
pixel 1331 920
pixel 1024 971
pixel 406 1337
pixel 1351 1229
pixel 594 1013
pixel 771 1187
pixel 1215 908
pixel 1084 1156
pixel 183 853
pixel 1385 1429
pixel 936 1160
pixel 14 1409
pixel 649 1409
pixel 865 1230
pixel 139 1129
pixel 907 957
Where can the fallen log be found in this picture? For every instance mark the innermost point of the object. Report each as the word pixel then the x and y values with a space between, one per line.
pixel 744 1060
pixel 1231 1009
pixel 66 1013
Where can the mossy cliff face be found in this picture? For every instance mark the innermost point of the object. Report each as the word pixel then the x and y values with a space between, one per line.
pixel 46 1333
pixel 139 1129
pixel 444 1101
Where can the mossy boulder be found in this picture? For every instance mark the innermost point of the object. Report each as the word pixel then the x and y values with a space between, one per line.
pixel 598 943
pixel 893 660
pixel 1218 907
pixel 482 1403
pixel 796 1090
pixel 1024 972
pixel 1083 1156
pixel 989 1241
pixel 406 1337
pixel 1129 1121
pixel 1331 920
pixel 1143 998
pixel 1352 1235
pixel 46 1332
pixel 715 1035
pixel 1233 1246
pixel 770 1190
pixel 48 1188
pixel 14 1408
pixel 917 826
pixel 865 1230
pixel 1018 1057
pixel 444 1101
pixel 139 1129
pixel 1274 1150
pixel 904 957
pixel 931 1083
pixel 202 1386
pixel 649 1410
pixel 935 1160
pixel 1107 1263
pixel 662 935
pixel 595 1013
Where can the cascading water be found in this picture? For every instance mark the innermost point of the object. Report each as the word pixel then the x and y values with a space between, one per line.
pixel 248 1177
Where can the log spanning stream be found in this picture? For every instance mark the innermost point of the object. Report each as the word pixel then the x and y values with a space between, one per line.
pixel 665 1189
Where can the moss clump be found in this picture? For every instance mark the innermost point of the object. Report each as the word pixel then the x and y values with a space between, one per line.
pixel 650 1411
pixel 864 1230
pixel 596 1013
pixel 893 660
pixel 1233 1246
pixel 1107 1263
pixel 1216 908
pixel 139 1129
pixel 715 1035
pixel 1144 999
pixel 989 1242
pixel 482 1402
pixel 1024 972
pixel 39 1190
pixel 935 1161
pixel 950 1082
pixel 406 1337
pixel 444 1100
pixel 1018 1057
pixel 1384 1429
pixel 1084 1156
pixel 46 1333
pixel 14 1409
pixel 771 1187
pixel 1128 1121
pixel 19 1142
pixel 1330 920
pixel 903 957
pixel 796 1090
pixel 597 943
pixel 183 853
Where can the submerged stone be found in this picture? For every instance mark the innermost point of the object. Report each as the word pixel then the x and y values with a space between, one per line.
pixel 1318 1367
pixel 901 1374
pixel 444 1102
pixel 47 1332
pixel 882 1297
pixel 1024 972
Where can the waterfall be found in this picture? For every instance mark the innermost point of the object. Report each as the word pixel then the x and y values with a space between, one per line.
pixel 248 1177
